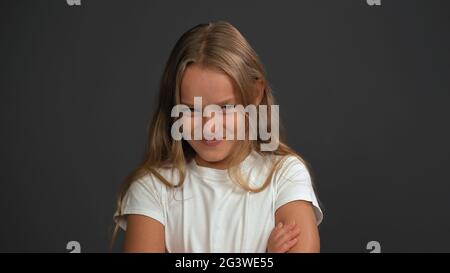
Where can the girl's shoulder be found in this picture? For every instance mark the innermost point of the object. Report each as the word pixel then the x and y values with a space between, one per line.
pixel 287 166
pixel 159 179
pixel 285 161
pixel 280 168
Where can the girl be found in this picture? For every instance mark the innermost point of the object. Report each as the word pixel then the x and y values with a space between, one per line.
pixel 216 195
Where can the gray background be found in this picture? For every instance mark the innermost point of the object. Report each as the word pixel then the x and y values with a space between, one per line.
pixel 363 91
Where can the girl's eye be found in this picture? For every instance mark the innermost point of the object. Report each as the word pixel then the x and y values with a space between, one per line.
pixel 228 106
pixel 193 110
pixel 189 111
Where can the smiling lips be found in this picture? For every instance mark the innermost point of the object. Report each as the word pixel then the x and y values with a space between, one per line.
pixel 211 143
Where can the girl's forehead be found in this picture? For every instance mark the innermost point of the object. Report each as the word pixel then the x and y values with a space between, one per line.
pixel 212 85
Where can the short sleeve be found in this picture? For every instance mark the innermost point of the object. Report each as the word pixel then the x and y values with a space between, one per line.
pixel 144 197
pixel 293 182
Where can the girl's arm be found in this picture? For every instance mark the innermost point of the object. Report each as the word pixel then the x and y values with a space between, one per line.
pixel 301 212
pixel 143 234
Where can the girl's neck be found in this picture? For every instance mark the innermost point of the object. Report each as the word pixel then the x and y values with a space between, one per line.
pixel 221 165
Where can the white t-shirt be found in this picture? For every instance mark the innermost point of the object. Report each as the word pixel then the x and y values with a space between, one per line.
pixel 210 213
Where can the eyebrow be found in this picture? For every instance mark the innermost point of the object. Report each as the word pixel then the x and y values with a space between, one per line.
pixel 221 103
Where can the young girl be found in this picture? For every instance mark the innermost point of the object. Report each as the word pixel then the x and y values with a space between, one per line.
pixel 213 195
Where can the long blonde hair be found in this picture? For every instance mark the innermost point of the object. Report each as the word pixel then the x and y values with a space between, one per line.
pixel 219 45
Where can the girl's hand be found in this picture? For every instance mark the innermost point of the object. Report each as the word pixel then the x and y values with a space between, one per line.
pixel 282 238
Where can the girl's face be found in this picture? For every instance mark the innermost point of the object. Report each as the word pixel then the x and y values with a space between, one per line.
pixel 214 87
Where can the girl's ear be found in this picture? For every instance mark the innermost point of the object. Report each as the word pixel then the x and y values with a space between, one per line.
pixel 260 86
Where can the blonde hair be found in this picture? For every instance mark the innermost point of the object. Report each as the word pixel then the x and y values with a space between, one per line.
pixel 217 45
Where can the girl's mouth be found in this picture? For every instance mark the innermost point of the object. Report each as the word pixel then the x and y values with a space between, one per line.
pixel 211 143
